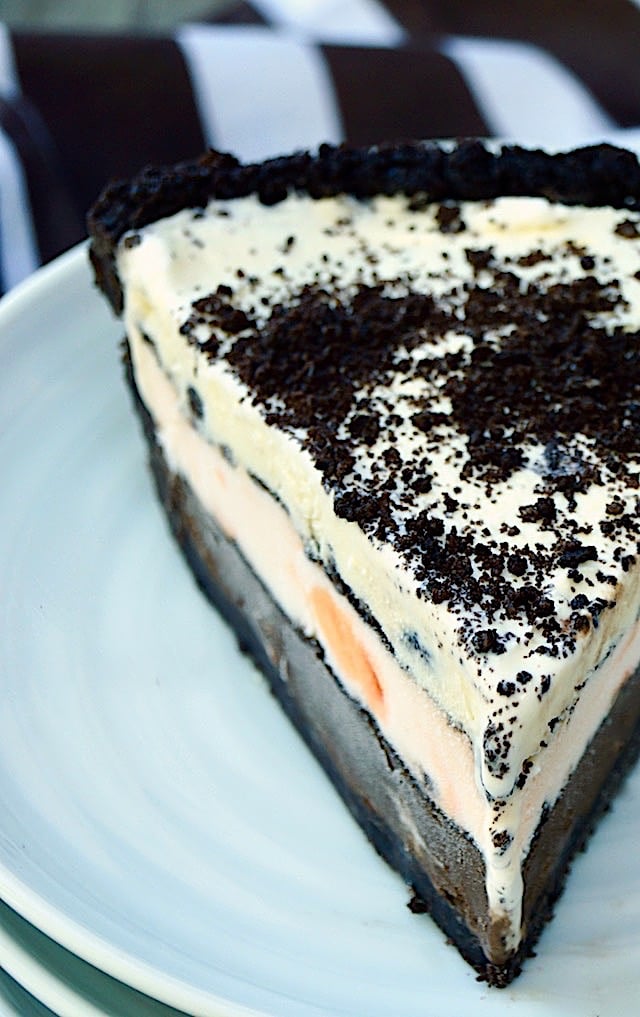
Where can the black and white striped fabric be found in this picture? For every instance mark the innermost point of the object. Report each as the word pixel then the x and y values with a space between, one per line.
pixel 271 76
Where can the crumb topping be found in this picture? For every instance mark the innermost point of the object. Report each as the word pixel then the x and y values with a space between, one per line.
pixel 514 368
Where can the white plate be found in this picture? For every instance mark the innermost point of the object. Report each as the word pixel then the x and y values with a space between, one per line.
pixel 40 976
pixel 16 1001
pixel 158 816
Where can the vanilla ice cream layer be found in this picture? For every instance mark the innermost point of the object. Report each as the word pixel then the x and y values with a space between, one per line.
pixel 433 750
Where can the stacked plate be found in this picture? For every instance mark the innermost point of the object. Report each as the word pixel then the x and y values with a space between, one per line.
pixel 166 842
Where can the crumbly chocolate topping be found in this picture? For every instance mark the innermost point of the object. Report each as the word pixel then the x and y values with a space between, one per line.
pixel 310 359
pixel 558 376
pixel 555 376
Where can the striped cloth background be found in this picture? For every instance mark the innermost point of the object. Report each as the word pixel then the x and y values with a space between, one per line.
pixel 275 75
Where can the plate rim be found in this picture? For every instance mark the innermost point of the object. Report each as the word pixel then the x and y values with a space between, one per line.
pixel 72 268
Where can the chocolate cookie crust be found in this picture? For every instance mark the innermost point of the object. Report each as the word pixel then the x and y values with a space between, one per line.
pixel 595 175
